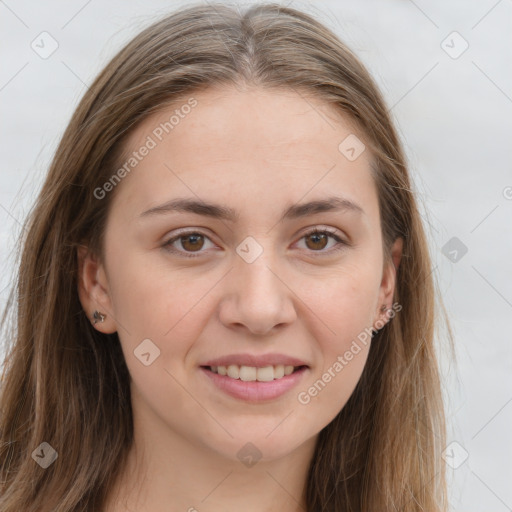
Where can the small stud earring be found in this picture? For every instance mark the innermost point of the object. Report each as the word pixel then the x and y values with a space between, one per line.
pixel 98 317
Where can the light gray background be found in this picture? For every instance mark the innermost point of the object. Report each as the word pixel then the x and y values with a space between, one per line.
pixel 454 115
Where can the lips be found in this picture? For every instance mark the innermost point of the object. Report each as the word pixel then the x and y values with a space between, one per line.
pixel 255 378
pixel 255 391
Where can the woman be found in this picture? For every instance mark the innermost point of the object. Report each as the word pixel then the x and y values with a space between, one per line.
pixel 225 296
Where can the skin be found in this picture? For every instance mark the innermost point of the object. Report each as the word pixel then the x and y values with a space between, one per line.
pixel 257 151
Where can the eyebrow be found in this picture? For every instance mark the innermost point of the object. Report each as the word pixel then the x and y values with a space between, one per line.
pixel 295 211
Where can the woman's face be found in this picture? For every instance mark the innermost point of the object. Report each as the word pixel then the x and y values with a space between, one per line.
pixel 210 261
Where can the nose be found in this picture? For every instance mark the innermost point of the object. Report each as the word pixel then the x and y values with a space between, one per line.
pixel 257 298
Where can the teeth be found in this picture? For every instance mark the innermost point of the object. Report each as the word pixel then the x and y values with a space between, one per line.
pixel 279 371
pixel 251 373
pixel 248 373
pixel 288 370
pixel 233 371
pixel 265 374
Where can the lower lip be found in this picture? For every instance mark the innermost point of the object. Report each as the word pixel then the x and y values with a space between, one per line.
pixel 255 391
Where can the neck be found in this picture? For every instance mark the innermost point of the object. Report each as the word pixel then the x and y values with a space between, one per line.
pixel 166 471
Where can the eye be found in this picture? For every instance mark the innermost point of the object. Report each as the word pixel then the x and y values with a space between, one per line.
pixel 193 241
pixel 190 242
pixel 318 239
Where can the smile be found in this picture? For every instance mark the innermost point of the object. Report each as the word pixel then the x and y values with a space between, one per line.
pixel 255 384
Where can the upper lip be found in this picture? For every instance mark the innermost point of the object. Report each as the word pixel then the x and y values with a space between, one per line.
pixel 258 361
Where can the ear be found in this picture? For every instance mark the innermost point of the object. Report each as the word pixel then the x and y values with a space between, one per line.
pixel 93 289
pixel 388 283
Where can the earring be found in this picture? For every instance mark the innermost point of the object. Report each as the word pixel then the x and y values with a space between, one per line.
pixel 376 331
pixel 98 317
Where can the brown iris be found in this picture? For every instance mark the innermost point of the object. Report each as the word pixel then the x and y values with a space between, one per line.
pixel 317 238
pixel 192 242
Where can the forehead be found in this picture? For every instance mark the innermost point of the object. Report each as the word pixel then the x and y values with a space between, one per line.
pixel 250 146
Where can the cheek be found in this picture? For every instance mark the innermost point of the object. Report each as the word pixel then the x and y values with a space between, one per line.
pixel 343 337
pixel 167 306
pixel 151 299
pixel 159 313
pixel 344 306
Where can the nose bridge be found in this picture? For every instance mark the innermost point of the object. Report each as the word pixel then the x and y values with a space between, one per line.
pixel 258 281
pixel 257 295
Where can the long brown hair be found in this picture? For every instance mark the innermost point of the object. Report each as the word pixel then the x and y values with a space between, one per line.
pixel 66 384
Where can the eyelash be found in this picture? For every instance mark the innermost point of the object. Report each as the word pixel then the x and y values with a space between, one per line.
pixel 341 244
